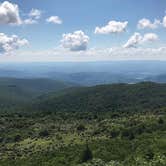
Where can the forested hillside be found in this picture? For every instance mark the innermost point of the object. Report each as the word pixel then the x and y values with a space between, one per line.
pixel 14 91
pixel 145 95
pixel 106 125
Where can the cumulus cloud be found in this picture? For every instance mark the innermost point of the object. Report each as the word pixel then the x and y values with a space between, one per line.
pixel 9 13
pixel 150 37
pixel 112 27
pixel 54 20
pixel 76 41
pixel 11 43
pixel 137 39
pixel 164 21
pixel 133 40
pixel 145 23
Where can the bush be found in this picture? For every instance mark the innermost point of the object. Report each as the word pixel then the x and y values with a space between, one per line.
pixel 17 138
pixel 114 133
pixel 81 127
pixel 128 134
pixel 44 133
pixel 86 155
pixel 160 121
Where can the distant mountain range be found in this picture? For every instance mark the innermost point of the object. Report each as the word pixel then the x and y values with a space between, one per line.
pixel 67 85
pixel 89 73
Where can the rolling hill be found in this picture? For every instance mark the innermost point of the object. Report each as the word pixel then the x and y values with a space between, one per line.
pixel 14 91
pixel 145 95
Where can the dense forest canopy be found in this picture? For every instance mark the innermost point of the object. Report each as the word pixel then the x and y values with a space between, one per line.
pixel 106 125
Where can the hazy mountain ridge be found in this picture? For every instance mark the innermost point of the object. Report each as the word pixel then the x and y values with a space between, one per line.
pixel 90 73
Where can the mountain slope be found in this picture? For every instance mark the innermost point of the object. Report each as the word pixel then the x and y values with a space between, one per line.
pixel 15 91
pixel 106 97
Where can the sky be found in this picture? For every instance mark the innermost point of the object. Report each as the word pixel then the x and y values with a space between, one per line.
pixel 82 30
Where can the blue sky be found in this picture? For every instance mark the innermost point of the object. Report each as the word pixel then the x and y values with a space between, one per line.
pixel 45 40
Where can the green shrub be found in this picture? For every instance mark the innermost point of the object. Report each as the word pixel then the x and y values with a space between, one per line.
pixel 86 155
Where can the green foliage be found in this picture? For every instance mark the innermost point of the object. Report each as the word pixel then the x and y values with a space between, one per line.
pixel 81 127
pixel 16 92
pixel 124 125
pixel 129 97
pixel 160 121
pixel 43 133
pixel 86 154
pixel 51 138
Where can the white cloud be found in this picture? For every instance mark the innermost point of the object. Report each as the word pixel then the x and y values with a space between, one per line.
pixel 137 39
pixel 11 43
pixel 35 13
pixel 54 20
pixel 92 54
pixel 145 23
pixel 139 53
pixel 30 21
pixel 164 21
pixel 34 16
pixel 150 37
pixel 133 40
pixel 76 41
pixel 112 27
pixel 9 13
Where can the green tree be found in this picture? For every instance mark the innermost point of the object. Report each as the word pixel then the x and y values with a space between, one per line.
pixel 86 155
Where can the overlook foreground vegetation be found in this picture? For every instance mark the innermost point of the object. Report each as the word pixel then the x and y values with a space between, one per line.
pixel 108 125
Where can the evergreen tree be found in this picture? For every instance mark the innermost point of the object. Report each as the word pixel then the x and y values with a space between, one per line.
pixel 86 155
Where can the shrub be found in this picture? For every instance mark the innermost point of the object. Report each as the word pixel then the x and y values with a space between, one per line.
pixel 81 127
pixel 44 133
pixel 114 133
pixel 17 138
pixel 86 155
pixel 160 121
